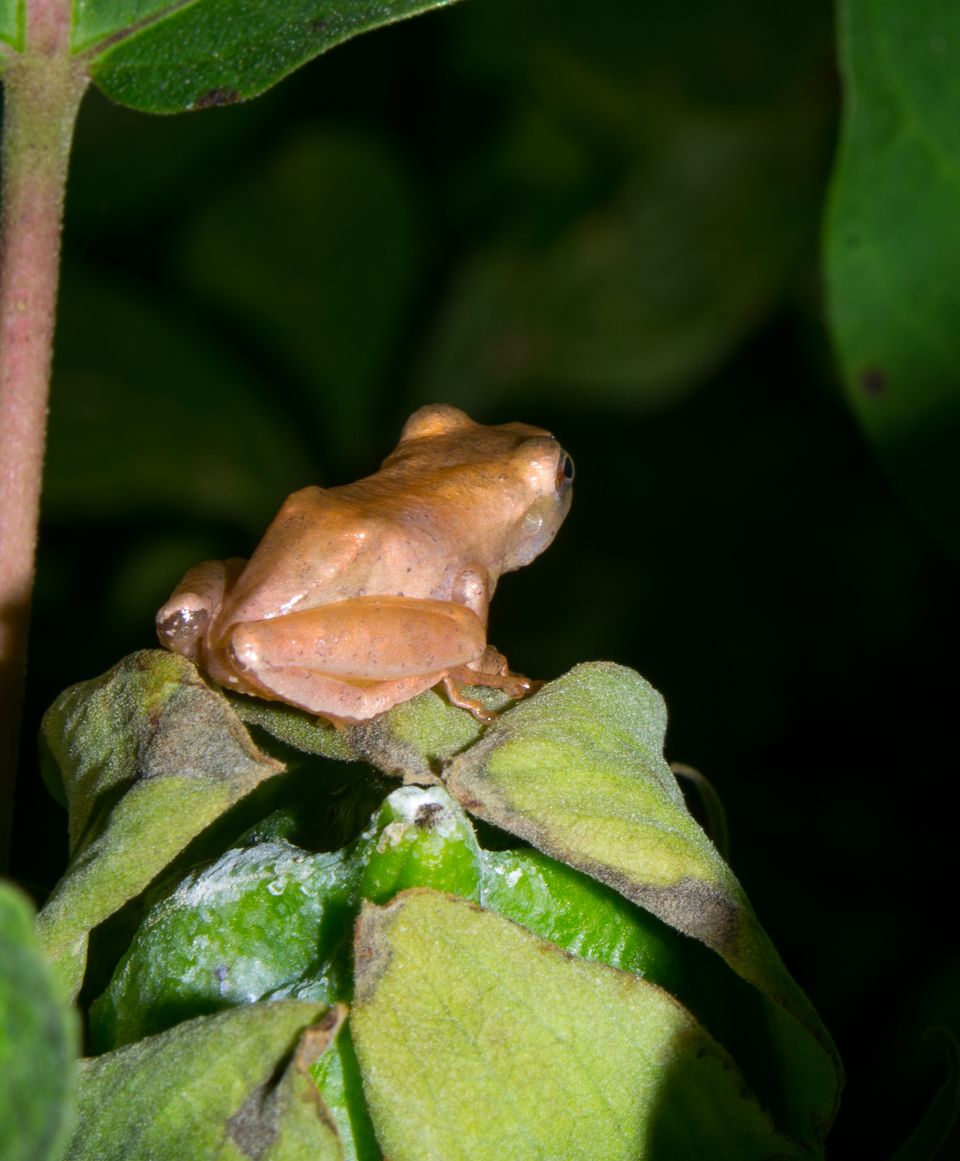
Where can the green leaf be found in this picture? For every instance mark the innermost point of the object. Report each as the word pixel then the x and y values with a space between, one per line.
pixel 294 727
pixel 337 1074
pixel 12 24
pixel 930 1135
pixel 893 243
pixel 230 1087
pixel 578 772
pixel 212 942
pixel 475 1038
pixel 149 756
pixel 579 914
pixel 37 1034
pixel 165 57
pixel 420 837
pixel 411 740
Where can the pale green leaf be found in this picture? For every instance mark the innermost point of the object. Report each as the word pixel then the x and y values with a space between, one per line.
pixel 578 771
pixel 229 1087
pixel 149 756
pixel 476 1040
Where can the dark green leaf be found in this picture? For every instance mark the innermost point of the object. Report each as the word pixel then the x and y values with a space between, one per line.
pixel 927 1139
pixel 149 756
pixel 166 57
pixel 233 1086
pixel 11 24
pixel 476 1038
pixel 893 243
pixel 37 1034
pixel 578 772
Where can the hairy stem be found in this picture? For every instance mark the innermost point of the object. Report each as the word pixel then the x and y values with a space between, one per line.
pixel 42 91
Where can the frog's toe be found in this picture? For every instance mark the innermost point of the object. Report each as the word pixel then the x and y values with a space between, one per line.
pixel 183 623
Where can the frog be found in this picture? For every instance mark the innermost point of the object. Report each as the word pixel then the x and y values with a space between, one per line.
pixel 364 595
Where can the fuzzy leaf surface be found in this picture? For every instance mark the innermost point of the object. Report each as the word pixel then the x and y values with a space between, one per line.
pixel 149 756
pixel 477 1039
pixel 37 1034
pixel 227 1087
pixel 578 772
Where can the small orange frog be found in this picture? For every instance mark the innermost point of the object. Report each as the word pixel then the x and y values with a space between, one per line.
pixel 362 596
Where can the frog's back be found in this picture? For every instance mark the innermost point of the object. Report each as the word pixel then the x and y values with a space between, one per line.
pixel 324 545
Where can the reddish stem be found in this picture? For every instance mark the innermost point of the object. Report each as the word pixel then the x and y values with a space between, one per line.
pixel 42 91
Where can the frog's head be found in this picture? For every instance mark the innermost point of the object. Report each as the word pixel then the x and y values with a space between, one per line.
pixel 511 483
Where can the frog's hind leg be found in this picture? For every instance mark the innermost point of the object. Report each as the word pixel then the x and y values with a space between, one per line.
pixel 350 660
pixel 493 672
pixel 339 702
pixel 183 621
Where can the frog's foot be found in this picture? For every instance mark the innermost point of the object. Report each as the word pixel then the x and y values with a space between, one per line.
pixel 183 622
pixel 491 672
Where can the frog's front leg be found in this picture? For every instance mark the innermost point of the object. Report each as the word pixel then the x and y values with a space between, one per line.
pixel 350 660
pixel 184 620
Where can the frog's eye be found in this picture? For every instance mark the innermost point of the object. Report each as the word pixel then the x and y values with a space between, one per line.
pixel 565 472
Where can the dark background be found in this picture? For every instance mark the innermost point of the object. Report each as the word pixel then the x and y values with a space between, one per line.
pixel 611 229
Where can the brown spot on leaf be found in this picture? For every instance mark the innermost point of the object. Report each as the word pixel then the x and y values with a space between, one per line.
pixel 253 1128
pixel 318 1037
pixel 217 97
pixel 873 381
pixel 426 816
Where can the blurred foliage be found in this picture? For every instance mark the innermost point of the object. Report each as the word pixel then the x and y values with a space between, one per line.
pixel 603 224
pixel 893 244
pixel 38 1035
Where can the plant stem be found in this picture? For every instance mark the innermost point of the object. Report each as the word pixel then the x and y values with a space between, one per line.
pixel 42 91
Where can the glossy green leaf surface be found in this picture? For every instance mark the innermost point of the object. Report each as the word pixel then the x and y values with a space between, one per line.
pixel 37 1034
pixel 478 1039
pixel 578 771
pixel 231 1087
pixel 893 243
pixel 214 942
pixel 579 914
pixel 420 838
pixel 149 756
pixel 167 57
